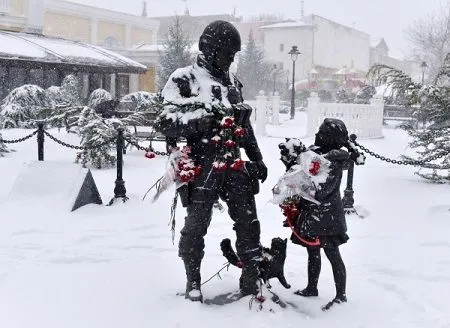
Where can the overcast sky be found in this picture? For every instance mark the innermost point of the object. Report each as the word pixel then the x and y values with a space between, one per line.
pixel 379 18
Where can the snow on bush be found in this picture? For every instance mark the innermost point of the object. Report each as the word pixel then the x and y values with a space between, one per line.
pixel 97 97
pixel 142 100
pixel 23 105
pixel 95 133
pixel 67 94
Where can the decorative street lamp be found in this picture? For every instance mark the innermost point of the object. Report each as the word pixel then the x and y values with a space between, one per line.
pixel 294 55
pixel 423 66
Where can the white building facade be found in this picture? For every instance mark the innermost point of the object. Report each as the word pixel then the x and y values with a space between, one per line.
pixel 326 46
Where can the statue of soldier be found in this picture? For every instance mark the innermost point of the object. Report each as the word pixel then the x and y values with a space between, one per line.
pixel 207 81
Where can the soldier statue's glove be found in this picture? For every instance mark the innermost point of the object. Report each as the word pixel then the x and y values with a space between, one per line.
pixel 290 150
pixel 262 171
pixel 357 157
pixel 241 114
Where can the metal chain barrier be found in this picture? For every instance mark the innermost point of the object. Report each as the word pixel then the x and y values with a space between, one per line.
pixel 78 147
pixel 19 140
pixel 422 163
pixel 149 149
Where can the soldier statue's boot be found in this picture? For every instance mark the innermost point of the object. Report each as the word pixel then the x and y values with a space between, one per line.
pixel 193 291
pixel 248 282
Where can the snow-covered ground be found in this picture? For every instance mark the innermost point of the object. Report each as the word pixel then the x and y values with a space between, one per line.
pixel 117 267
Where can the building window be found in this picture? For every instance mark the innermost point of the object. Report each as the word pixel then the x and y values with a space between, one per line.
pixel 51 77
pixel 281 47
pixel 4 6
pixel 17 76
pixel 106 82
pixel 3 82
pixel 36 76
pixel 111 43
pixel 281 66
pixel 95 82
pixel 123 87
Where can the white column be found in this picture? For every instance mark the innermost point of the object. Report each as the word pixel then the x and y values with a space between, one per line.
pixel 85 88
pixel 113 85
pixel 377 104
pixel 261 108
pixel 128 44
pixel 276 108
pixel 312 112
pixel 94 31
pixel 134 83
pixel 35 16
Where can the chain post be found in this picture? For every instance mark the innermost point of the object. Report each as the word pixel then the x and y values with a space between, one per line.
pixel 40 141
pixel 348 199
pixel 119 189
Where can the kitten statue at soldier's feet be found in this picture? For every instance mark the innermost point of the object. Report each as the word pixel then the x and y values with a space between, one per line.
pixel 272 260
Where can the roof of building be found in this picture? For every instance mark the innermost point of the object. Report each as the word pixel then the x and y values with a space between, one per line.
pixel 379 43
pixel 40 49
pixel 245 28
pixel 287 25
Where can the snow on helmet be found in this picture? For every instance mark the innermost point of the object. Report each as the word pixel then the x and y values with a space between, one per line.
pixel 219 34
pixel 333 133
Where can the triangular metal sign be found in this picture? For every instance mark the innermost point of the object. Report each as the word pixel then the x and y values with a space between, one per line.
pixel 88 193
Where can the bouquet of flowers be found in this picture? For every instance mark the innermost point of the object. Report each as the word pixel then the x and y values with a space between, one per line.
pixel 180 170
pixel 303 179
pixel 228 141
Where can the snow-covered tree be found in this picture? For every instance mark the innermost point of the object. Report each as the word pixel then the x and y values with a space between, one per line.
pixel 344 96
pixel 431 103
pixel 67 94
pixel 95 132
pixel 252 70
pixel 176 52
pixel 142 100
pixel 365 94
pixel 97 97
pixel 23 105
pixel 430 39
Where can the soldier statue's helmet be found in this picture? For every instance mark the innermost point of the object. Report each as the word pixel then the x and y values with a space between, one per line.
pixel 219 34
pixel 332 132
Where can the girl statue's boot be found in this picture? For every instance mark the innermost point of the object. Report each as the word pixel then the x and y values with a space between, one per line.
pixel 193 291
pixel 307 292
pixel 314 266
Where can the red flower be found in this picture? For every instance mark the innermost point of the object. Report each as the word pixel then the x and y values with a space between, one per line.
pixel 230 143
pixel 197 170
pixel 216 140
pixel 238 164
pixel 150 155
pixel 240 132
pixel 186 149
pixel 186 176
pixel 220 166
pixel 290 210
pixel 227 122
pixel 315 167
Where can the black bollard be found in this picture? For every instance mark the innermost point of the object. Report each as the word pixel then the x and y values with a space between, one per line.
pixel 119 189
pixel 348 192
pixel 40 141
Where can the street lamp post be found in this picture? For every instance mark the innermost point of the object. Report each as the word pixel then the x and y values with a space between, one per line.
pixel 424 67
pixel 294 55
